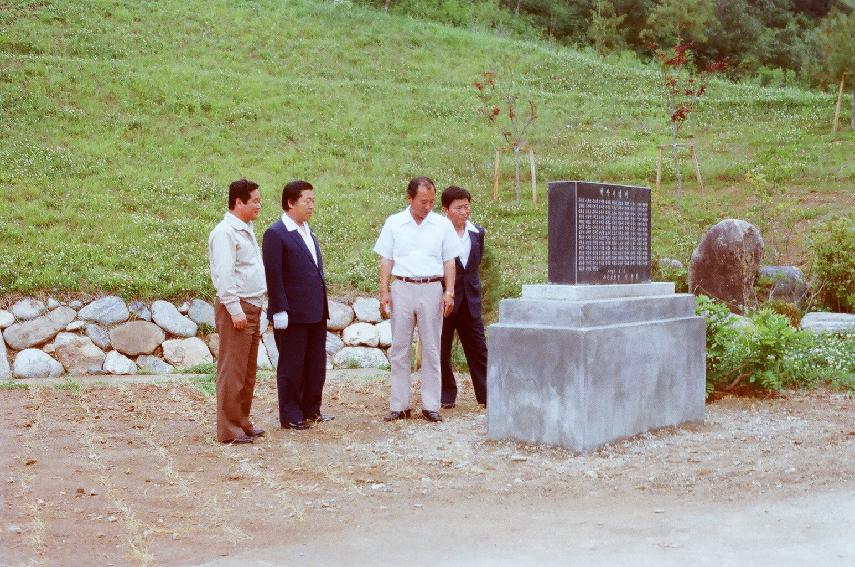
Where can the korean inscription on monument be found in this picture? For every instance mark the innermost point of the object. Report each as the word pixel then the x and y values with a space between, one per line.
pixel 598 233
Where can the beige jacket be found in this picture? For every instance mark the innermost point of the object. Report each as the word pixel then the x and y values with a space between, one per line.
pixel 236 267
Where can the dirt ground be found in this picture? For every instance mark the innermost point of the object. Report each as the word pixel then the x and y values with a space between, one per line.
pixel 130 474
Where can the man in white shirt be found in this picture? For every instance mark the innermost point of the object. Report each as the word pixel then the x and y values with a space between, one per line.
pixel 297 308
pixel 238 276
pixel 417 249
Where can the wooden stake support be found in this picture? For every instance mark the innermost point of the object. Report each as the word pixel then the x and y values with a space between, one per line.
pixel 692 153
pixel 530 152
pixel 839 100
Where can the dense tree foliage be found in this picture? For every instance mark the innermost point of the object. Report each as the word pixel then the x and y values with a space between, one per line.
pixel 775 41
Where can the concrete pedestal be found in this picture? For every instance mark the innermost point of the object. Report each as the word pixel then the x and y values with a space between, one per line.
pixel 582 365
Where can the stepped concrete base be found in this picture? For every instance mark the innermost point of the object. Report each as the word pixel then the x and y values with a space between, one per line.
pixel 580 366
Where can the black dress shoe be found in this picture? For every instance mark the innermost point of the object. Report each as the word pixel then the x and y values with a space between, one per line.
pixel 320 417
pixel 447 406
pixel 240 440
pixel 432 416
pixel 296 425
pixel 255 432
pixel 395 415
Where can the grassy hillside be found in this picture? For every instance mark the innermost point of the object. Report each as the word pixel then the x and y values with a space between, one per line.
pixel 123 122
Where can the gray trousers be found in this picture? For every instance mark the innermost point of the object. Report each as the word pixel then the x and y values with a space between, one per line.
pixel 416 304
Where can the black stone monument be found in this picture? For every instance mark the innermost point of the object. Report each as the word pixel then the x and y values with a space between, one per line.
pixel 599 233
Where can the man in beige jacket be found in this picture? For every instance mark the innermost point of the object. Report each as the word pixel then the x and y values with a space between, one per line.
pixel 238 276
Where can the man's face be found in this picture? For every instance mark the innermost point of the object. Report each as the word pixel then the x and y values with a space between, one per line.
pixel 422 203
pixel 458 212
pixel 248 211
pixel 301 210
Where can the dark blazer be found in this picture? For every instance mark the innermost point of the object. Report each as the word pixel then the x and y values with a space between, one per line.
pixel 294 283
pixel 467 281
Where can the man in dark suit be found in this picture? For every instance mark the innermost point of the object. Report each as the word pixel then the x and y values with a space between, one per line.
pixel 297 307
pixel 465 318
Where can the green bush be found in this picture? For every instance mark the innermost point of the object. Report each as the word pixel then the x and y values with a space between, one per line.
pixel 833 248
pixel 789 310
pixel 771 354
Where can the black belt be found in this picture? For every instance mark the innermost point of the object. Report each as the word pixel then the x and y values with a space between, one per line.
pixel 431 279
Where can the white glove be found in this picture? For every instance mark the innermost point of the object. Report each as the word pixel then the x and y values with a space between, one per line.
pixel 280 320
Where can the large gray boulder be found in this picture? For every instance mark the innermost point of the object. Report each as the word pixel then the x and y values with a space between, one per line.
pixel 140 310
pixel 6 318
pixel 5 369
pixel 272 350
pixel 819 322
pixel 167 316
pixel 334 343
pixel 262 361
pixel 184 353
pixel 136 337
pixel 367 309
pixel 787 283
pixel 202 312
pixel 360 357
pixel 725 263
pixel 341 316
pixel 154 365
pixel 384 331
pixel 78 354
pixel 28 308
pixel 213 342
pixel 33 363
pixel 106 311
pixel 361 334
pixel 40 330
pixel 99 335
pixel 117 363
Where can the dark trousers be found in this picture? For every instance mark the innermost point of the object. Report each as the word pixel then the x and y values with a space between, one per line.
pixel 236 361
pixel 301 371
pixel 471 332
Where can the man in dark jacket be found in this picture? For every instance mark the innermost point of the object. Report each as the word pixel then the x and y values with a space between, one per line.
pixel 297 307
pixel 466 317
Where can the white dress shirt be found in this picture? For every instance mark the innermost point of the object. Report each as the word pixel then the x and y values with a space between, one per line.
pixel 305 233
pixel 417 250
pixel 466 242
pixel 237 270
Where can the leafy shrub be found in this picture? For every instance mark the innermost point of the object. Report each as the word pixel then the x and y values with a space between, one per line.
pixel 748 356
pixel 789 310
pixel 833 247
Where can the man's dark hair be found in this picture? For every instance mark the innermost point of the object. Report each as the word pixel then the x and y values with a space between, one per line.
pixel 417 183
pixel 240 189
pixel 453 193
pixel 292 191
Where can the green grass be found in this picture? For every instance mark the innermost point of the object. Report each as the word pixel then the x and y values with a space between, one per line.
pixel 10 385
pixel 123 122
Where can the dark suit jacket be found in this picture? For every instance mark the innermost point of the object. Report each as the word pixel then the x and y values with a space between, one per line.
pixel 467 281
pixel 294 283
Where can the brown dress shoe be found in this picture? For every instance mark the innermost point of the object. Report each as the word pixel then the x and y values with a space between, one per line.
pixel 320 417
pixel 432 416
pixel 396 415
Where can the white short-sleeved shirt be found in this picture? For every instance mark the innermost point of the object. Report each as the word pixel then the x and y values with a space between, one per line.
pixel 417 250
pixel 466 243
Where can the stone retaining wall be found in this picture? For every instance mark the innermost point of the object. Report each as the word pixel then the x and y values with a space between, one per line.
pixel 109 336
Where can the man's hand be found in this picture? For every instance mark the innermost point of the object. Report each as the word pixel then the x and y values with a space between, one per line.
pixel 239 321
pixel 385 301
pixel 447 303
